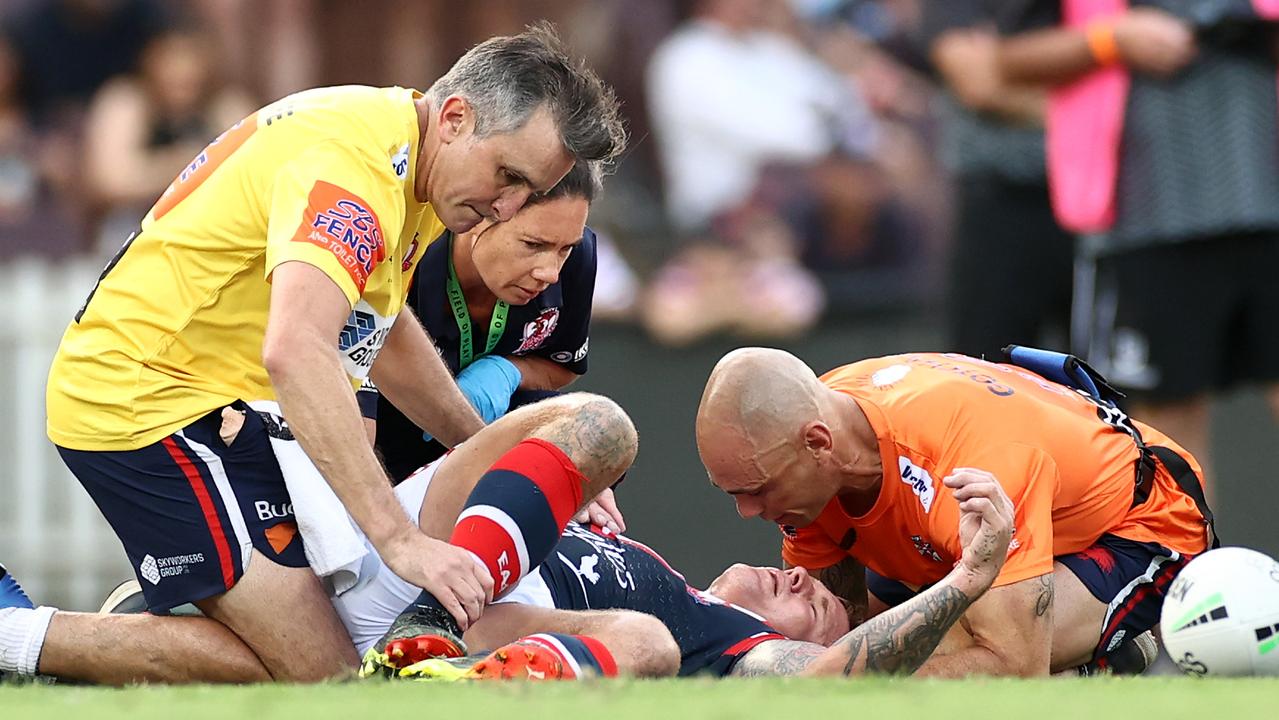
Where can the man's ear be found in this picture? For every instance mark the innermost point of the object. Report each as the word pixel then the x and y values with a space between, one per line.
pixel 457 118
pixel 818 437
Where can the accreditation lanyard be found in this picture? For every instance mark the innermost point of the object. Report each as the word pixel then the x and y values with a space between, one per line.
pixel 457 302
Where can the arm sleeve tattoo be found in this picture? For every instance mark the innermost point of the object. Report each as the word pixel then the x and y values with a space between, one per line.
pixel 777 657
pixel 900 640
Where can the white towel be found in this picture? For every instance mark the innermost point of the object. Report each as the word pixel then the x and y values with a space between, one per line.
pixel 335 547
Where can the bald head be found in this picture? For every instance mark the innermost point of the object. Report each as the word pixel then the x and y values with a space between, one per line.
pixel 762 437
pixel 760 393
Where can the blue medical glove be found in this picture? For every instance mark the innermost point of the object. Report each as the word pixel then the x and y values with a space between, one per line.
pixel 488 384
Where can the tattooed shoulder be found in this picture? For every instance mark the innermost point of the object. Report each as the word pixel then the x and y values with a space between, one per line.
pixel 777 657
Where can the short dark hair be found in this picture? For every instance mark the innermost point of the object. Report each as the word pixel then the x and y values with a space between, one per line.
pixel 585 181
pixel 506 79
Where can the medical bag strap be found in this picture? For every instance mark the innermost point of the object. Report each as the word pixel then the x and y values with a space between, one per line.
pixel 1188 481
pixel 1076 374
pixel 1065 370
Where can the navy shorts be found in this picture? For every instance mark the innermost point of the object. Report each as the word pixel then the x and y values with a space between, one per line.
pixel 1131 578
pixel 190 509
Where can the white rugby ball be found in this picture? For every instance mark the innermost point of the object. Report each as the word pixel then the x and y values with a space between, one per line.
pixel 1221 614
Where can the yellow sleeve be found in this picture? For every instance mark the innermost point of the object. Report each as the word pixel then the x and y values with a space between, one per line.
pixel 329 209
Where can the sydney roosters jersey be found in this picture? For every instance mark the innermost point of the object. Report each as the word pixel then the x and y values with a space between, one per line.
pixel 174 328
pixel 1070 475
pixel 592 570
pixel 555 326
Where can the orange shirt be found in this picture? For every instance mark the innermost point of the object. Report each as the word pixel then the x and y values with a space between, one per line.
pixel 1070 476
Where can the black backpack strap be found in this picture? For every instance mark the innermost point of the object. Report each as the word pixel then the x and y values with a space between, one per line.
pixel 1074 373
pixel 1188 481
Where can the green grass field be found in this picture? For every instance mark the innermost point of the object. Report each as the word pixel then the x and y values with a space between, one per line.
pixel 904 699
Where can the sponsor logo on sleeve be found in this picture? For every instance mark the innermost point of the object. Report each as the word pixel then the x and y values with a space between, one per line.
pixel 343 224
pixel 565 356
pixel 400 162
pixel 362 338
pixel 538 330
pixel 920 482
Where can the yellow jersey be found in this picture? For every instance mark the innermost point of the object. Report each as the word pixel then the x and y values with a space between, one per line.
pixel 174 328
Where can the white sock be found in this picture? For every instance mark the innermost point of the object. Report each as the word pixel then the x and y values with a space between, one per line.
pixel 22 632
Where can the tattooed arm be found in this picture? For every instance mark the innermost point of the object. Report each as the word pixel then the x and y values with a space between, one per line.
pixel 897 641
pixel 777 657
pixel 901 639
pixel 1011 626
pixel 1011 629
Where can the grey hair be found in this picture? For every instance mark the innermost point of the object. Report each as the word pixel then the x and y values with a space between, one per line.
pixel 585 181
pixel 505 79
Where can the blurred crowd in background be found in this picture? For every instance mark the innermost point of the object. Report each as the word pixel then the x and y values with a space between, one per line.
pixel 790 159
pixel 791 162
pixel 784 159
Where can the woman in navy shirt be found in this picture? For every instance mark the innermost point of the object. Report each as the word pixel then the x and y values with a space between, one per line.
pixel 509 307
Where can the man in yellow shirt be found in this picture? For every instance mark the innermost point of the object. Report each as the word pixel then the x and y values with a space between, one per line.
pixel 275 267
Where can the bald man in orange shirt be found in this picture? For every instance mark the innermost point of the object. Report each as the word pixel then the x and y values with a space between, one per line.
pixel 854 467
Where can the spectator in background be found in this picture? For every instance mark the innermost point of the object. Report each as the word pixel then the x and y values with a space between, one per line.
pixel 1010 264
pixel 70 48
pixel 143 128
pixel 34 218
pixel 1163 143
pixel 753 131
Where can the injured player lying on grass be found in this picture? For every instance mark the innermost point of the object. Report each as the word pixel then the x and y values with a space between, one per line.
pixel 605 604
pixel 507 494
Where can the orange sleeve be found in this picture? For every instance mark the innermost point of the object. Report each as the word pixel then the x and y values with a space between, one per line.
pixel 1029 476
pixel 811 549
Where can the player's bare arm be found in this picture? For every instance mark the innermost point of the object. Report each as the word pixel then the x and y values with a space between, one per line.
pixel 778 657
pixel 599 446
pixel 410 373
pixel 1010 626
pixel 895 642
pixel 299 351
pixel 899 640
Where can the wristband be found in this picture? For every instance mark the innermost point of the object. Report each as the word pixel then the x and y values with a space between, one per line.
pixel 1102 44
